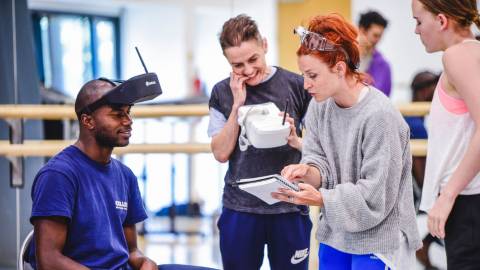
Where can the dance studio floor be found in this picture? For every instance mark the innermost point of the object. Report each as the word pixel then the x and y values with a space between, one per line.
pixel 203 249
pixel 200 245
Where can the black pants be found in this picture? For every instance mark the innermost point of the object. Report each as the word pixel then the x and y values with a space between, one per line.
pixel 462 234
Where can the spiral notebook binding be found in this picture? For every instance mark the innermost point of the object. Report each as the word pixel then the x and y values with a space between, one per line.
pixel 288 183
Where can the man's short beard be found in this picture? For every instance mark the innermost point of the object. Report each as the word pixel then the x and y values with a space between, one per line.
pixel 103 139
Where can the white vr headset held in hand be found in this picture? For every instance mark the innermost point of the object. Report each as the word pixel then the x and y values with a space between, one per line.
pixel 262 126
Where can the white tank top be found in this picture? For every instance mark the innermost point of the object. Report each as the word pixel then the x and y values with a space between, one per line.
pixel 450 129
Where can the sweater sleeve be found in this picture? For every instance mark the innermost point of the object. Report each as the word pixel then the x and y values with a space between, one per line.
pixel 362 205
pixel 312 151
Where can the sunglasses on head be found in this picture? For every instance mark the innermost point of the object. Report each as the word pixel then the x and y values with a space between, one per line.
pixel 315 41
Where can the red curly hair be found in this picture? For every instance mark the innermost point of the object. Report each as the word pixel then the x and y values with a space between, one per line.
pixel 341 33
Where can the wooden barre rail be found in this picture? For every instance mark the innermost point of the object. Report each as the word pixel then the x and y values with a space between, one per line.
pixel 414 108
pixel 53 112
pixel 52 147
pixel 418 147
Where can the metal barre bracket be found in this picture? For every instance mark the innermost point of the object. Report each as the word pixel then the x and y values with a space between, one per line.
pixel 16 163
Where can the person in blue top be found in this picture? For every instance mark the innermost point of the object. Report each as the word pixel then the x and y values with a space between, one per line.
pixel 86 203
pixel 423 87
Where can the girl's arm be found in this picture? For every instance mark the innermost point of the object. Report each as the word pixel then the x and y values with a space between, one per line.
pixel 462 66
pixel 462 70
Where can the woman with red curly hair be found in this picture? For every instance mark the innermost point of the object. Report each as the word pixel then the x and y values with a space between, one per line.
pixel 356 161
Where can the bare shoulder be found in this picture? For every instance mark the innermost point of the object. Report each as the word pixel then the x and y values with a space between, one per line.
pixel 461 52
pixel 461 64
pixel 462 58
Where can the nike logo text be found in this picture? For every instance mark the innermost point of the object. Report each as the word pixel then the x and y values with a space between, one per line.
pixel 299 256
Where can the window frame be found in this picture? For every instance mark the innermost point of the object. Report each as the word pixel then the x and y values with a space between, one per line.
pixel 38 14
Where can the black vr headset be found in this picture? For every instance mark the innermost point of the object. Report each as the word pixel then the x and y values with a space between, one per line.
pixel 136 89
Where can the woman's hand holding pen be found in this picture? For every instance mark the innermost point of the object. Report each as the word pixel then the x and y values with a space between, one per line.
pixel 295 172
pixel 239 89
pixel 307 195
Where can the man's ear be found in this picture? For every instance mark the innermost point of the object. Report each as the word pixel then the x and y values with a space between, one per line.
pixel 443 20
pixel 265 45
pixel 87 121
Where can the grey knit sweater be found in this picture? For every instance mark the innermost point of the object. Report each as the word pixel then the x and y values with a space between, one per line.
pixel 363 155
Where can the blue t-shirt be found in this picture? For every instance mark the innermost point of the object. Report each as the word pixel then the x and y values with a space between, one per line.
pixel 97 200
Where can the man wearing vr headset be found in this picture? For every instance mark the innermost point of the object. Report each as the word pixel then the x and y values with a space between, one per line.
pixel 86 203
pixel 247 224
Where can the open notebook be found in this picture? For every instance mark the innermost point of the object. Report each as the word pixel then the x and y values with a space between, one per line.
pixel 261 187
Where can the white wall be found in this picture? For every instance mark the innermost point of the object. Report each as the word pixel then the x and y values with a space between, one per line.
pixel 157 29
pixel 176 37
pixel 208 58
pixel 400 45
pixel 179 38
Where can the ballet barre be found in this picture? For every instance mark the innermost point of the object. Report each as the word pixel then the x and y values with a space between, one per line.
pixel 16 148
pixel 49 148
pixel 55 112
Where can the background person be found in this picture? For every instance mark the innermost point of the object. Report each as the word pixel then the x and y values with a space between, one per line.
pixel 451 189
pixel 371 27
pixel 247 224
pixel 356 162
pixel 423 87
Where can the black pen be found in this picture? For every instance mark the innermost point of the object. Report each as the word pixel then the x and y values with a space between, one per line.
pixel 285 113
